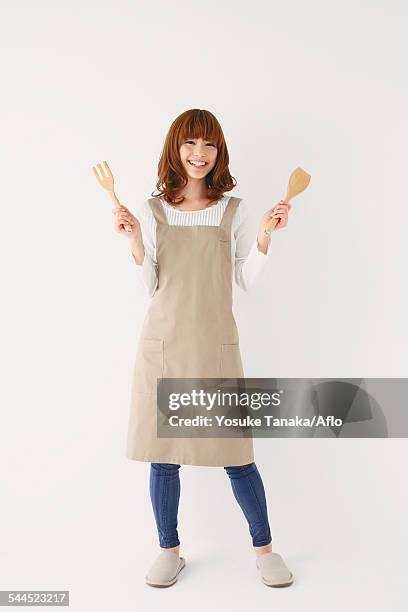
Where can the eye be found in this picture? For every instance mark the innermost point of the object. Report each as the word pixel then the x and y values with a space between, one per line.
pixel 209 144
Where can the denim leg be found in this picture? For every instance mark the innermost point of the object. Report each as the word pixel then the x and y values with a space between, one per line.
pixel 249 492
pixel 165 495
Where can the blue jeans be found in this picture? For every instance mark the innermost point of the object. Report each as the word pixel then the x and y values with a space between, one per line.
pixel 246 485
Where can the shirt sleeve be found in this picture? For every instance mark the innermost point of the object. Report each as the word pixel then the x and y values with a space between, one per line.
pixel 249 260
pixel 147 271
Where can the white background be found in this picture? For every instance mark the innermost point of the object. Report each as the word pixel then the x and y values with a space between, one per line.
pixel 321 85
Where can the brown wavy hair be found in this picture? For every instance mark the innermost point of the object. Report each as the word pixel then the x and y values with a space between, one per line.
pixel 172 177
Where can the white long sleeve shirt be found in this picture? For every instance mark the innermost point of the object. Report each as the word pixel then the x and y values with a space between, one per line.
pixel 248 259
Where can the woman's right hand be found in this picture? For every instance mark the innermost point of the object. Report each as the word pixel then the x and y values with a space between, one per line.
pixel 123 217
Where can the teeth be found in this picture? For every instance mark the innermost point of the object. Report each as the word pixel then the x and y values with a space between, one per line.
pixel 194 163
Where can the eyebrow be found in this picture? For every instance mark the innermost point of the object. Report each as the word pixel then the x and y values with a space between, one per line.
pixel 192 138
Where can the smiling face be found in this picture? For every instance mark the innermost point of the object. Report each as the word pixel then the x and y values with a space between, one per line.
pixel 198 157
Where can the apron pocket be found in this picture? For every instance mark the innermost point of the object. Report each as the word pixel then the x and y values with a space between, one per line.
pixel 231 364
pixel 149 365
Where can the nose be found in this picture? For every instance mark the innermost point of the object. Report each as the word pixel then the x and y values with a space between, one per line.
pixel 199 149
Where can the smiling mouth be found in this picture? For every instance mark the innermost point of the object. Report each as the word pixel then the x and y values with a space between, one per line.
pixel 200 164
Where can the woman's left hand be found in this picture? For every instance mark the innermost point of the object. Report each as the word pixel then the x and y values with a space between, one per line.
pixel 279 211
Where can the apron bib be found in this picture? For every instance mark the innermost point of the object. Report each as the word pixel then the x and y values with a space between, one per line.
pixel 189 332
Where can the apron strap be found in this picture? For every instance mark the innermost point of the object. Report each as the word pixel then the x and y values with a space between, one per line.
pixel 229 213
pixel 157 209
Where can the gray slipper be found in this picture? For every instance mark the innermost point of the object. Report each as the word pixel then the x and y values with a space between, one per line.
pixel 164 571
pixel 273 570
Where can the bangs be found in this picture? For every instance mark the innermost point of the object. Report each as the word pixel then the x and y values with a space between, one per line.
pixel 200 124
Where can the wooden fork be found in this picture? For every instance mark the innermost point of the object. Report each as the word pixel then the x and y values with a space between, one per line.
pixel 105 179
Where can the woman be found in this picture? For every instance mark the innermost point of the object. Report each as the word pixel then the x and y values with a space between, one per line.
pixel 188 242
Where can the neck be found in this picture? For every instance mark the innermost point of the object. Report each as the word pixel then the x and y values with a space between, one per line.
pixel 195 190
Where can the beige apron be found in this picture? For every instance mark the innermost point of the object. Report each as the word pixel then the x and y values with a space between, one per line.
pixel 189 332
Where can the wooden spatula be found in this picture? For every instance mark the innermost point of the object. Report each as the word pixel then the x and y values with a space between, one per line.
pixel 105 179
pixel 298 181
